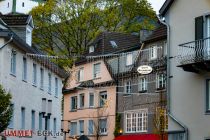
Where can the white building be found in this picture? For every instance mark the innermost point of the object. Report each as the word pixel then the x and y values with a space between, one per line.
pixel 29 80
pixel 18 6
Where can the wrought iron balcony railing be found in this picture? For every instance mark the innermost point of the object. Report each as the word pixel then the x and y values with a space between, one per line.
pixel 194 52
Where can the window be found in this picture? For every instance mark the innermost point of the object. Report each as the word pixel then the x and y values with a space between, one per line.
pixel 54 125
pixel 165 48
pixel 136 121
pixel 96 70
pixel 34 75
pixel 13 62
pixel 49 82
pixel 127 87
pixel 160 81
pixel 208 95
pixel 41 78
pixel 11 122
pixel 103 98
pixel 91 100
pixel 153 52
pixel 91 49
pixel 129 59
pixel 103 126
pixel 33 120
pixel 73 128
pixel 23 4
pixel 48 124
pixel 8 5
pixel 81 100
pixel 142 84
pixel 56 87
pixel 81 127
pixel 22 118
pixel 90 127
pixel 74 103
pixel 24 75
pixel 80 75
pixel 40 121
pixel 114 44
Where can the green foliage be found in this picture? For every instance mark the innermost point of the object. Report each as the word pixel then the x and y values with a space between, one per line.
pixel 5 109
pixel 117 125
pixel 68 28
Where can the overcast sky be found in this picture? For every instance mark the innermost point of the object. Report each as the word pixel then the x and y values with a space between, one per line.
pixel 156 4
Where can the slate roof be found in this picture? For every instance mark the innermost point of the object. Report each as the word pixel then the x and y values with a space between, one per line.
pixel 165 7
pixel 102 44
pixel 11 20
pixel 158 34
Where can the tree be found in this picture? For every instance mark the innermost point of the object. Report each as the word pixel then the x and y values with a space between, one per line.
pixel 5 109
pixel 68 28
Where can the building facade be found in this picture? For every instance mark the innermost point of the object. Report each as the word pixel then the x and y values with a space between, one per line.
pixel 141 97
pixel 90 98
pixel 188 68
pixel 35 85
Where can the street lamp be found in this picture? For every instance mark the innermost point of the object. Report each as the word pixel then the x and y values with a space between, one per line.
pixel 46 112
pixel 62 128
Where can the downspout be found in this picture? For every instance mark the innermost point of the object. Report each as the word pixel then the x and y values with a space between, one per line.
pixel 168 71
pixel 10 40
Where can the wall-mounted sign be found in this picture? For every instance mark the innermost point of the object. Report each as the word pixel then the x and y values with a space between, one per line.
pixel 144 69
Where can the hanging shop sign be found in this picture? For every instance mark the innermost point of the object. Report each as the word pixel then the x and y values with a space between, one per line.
pixel 144 69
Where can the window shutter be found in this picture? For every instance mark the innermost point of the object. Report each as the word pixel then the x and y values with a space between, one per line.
pixel 199 28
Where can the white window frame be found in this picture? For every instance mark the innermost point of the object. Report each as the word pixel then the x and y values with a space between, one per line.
pixel 91 49
pixel 129 59
pixel 104 130
pixel 142 84
pixel 80 74
pixel 34 81
pixel 76 104
pixel 96 74
pixel 24 72
pixel 93 99
pixel 102 102
pixel 139 117
pixel 153 52
pixel 79 131
pixel 80 95
pixel 160 78
pixel 127 87
pixel 13 62
pixel 89 127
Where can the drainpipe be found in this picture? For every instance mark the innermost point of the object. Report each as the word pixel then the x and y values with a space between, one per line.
pixel 168 71
pixel 10 40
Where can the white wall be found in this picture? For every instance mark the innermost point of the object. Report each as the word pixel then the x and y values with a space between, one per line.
pixel 24 94
pixel 28 5
pixel 187 89
pixel 4 8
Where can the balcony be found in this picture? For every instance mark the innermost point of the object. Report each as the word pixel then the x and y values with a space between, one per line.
pixel 195 56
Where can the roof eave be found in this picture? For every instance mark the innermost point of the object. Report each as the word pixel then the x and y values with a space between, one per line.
pixel 165 7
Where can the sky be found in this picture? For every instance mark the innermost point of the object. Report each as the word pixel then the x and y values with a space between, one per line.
pixel 156 4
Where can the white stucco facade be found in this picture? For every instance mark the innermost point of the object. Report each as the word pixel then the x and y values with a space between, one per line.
pixel 187 90
pixel 21 6
pixel 24 94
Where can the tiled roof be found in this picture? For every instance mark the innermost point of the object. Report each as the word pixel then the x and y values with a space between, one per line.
pixel 158 34
pixel 102 44
pixel 15 19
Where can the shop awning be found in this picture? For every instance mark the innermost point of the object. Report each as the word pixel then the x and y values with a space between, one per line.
pixel 142 137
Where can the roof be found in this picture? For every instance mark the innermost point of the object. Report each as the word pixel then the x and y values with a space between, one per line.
pixel 165 7
pixel 14 20
pixel 159 33
pixel 103 44
pixel 22 45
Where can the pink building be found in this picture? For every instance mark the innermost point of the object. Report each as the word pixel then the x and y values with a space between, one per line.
pixel 90 93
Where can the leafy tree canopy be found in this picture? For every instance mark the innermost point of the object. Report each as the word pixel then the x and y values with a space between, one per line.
pixel 5 109
pixel 68 28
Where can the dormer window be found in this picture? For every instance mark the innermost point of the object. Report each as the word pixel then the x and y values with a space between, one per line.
pixel 91 49
pixel 114 44
pixel 29 36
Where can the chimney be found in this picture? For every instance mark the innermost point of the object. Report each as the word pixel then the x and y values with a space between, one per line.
pixel 144 34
